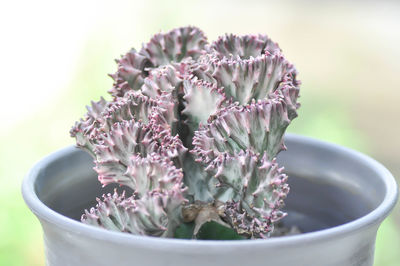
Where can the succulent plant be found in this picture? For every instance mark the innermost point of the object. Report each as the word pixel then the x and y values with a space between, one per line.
pixel 193 130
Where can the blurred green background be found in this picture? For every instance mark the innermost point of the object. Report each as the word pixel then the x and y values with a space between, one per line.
pixel 55 57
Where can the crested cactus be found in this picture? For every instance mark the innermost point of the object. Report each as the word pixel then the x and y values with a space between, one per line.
pixel 193 129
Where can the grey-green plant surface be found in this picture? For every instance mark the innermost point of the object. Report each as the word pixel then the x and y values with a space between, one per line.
pixel 193 129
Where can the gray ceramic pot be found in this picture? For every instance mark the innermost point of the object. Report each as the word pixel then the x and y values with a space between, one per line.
pixel 338 198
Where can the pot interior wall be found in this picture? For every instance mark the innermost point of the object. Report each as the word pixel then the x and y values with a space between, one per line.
pixel 315 206
pixel 69 185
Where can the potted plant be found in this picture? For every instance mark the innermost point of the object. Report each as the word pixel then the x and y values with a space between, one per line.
pixel 187 156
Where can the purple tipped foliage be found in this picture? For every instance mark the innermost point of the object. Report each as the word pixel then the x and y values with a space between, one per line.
pixel 193 130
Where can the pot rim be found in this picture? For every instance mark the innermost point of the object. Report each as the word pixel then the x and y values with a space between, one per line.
pixel 373 217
